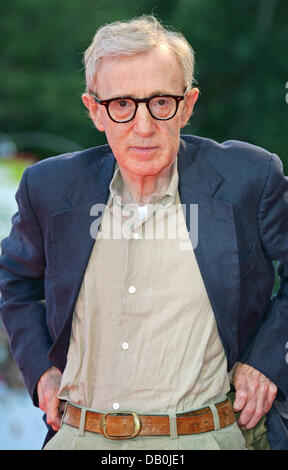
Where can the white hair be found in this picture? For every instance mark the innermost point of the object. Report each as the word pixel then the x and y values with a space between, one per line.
pixel 134 36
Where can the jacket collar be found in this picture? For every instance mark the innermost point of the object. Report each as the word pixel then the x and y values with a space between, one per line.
pixel 195 174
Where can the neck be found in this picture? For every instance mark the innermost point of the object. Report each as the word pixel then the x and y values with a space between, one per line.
pixel 146 189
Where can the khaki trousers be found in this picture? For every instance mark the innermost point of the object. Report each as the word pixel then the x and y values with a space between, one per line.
pixel 69 438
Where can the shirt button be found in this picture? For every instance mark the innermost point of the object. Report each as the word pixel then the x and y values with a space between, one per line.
pixel 116 406
pixel 125 345
pixel 136 236
pixel 132 289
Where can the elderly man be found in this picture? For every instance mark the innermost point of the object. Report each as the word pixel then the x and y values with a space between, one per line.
pixel 127 339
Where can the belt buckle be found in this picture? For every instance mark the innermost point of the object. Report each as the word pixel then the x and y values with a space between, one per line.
pixel 137 424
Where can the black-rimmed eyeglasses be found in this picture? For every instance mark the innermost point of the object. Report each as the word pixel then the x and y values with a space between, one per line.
pixel 161 107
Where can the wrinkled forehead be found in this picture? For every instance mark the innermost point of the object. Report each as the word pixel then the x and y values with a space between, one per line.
pixel 153 71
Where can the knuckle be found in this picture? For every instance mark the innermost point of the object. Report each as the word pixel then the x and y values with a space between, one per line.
pixel 242 394
pixel 250 409
pixel 259 413
pixel 49 420
pixel 254 387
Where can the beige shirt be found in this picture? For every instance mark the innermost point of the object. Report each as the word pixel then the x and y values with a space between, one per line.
pixel 144 337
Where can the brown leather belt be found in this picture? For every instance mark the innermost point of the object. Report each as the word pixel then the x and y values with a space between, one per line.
pixel 126 425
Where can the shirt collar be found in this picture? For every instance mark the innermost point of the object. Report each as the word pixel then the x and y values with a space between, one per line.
pixel 169 198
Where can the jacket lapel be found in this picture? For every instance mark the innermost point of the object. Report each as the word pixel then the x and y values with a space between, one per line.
pixel 83 203
pixel 216 251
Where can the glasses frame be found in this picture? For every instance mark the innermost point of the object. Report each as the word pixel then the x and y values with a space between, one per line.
pixel 106 103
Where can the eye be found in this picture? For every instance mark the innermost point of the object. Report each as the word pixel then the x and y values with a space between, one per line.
pixel 162 102
pixel 122 103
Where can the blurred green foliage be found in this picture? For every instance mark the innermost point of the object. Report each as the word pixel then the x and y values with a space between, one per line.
pixel 241 66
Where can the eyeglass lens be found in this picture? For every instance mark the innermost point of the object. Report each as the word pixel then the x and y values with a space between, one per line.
pixel 160 107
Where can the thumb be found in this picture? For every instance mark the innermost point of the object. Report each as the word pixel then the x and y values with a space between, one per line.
pixel 53 414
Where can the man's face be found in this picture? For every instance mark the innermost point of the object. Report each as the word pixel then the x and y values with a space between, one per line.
pixel 144 146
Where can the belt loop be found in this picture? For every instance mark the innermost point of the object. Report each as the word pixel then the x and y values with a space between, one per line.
pixel 173 426
pixel 215 417
pixel 82 422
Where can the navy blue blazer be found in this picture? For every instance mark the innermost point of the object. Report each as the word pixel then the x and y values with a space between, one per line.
pixel 242 199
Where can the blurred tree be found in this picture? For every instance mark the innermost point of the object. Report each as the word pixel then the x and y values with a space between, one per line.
pixel 41 73
pixel 242 69
pixel 241 66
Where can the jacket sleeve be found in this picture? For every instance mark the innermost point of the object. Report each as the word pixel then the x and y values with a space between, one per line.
pixel 23 311
pixel 268 350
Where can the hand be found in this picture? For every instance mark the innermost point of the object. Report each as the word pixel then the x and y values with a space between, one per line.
pixel 47 389
pixel 255 394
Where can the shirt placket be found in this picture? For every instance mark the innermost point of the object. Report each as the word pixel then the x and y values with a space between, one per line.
pixel 125 335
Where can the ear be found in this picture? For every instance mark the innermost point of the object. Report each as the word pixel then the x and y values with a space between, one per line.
pixel 94 109
pixel 189 102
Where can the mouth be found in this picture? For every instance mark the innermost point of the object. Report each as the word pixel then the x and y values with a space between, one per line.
pixel 143 150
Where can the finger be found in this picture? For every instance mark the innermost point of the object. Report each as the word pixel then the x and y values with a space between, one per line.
pixel 55 423
pixel 240 401
pixel 251 416
pixel 265 397
pixel 54 415
pixel 255 408
pixel 248 412
pixel 270 397
pixel 54 420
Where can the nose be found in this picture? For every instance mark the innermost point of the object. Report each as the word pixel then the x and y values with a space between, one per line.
pixel 144 124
